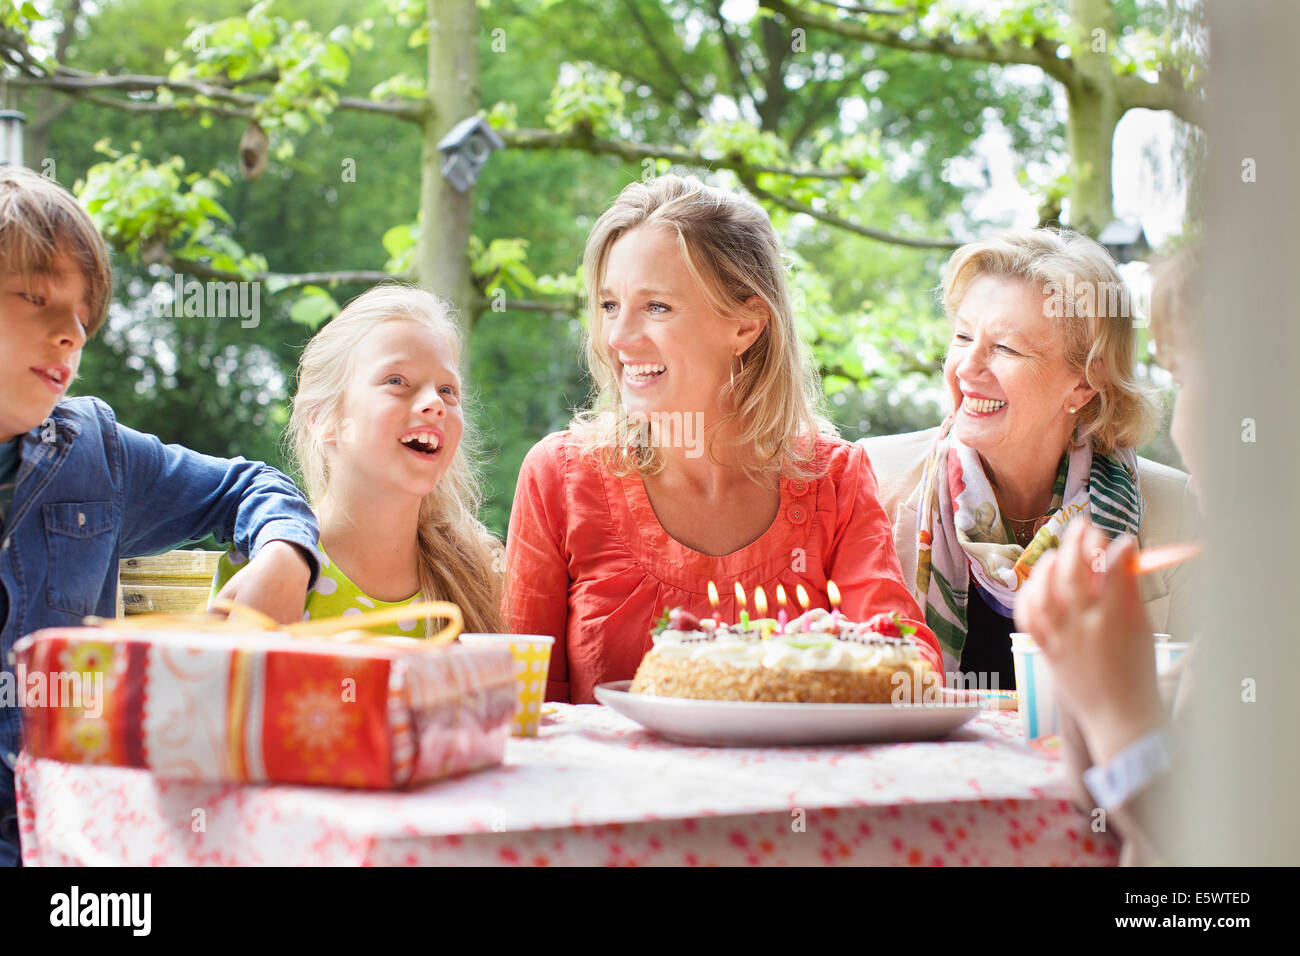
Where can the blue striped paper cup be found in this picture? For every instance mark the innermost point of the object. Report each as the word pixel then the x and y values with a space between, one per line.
pixel 1038 714
pixel 1168 651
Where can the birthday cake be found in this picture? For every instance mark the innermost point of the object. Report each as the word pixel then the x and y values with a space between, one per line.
pixel 819 657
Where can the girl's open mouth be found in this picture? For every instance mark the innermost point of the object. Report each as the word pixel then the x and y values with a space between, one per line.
pixel 425 444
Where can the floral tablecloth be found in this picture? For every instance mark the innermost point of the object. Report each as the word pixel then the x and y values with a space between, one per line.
pixel 596 788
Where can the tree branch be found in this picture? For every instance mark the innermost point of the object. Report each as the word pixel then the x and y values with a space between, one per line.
pixel 910 366
pixel 557 307
pixel 776 49
pixel 1168 93
pixel 822 105
pixel 662 55
pixel 78 83
pixel 873 11
pixel 583 139
pixel 47 117
pixel 1041 54
pixel 148 106
pixel 666 96
pixel 286 280
pixel 65 35
pixel 847 224
pixel 738 67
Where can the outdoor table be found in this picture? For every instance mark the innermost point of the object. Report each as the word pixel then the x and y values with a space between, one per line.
pixel 596 788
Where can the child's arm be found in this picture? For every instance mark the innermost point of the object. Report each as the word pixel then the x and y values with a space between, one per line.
pixel 275 582
pixel 537 571
pixel 172 496
pixel 1082 606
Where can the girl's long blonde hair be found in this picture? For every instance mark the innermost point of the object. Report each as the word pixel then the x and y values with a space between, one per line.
pixel 459 557
pixel 734 254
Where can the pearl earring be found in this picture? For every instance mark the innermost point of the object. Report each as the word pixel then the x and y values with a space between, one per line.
pixel 1071 409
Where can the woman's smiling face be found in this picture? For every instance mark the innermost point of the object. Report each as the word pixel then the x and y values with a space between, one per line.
pixel 669 349
pixel 1007 374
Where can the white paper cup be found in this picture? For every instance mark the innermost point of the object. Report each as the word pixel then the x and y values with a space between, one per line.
pixel 1037 689
pixel 532 654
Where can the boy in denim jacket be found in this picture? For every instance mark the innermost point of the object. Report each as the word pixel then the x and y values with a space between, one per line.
pixel 79 491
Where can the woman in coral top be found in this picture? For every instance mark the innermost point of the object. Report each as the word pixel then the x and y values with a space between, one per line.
pixel 704 457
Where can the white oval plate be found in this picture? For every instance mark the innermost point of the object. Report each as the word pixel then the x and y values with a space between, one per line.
pixel 738 723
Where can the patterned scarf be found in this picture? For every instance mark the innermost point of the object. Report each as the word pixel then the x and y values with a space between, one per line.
pixel 961 532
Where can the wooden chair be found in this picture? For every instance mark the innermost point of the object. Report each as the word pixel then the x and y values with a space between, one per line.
pixel 177 582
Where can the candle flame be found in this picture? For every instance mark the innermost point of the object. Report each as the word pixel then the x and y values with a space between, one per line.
pixel 780 595
pixel 802 595
pixel 713 594
pixel 833 593
pixel 740 595
pixel 760 602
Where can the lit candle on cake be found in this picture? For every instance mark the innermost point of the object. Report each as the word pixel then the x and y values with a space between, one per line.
pixel 802 595
pixel 781 616
pixel 760 609
pixel 713 603
pixel 833 593
pixel 743 603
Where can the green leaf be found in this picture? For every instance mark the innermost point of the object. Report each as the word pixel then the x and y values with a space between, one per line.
pixel 314 307
pixel 586 94
pixel 400 243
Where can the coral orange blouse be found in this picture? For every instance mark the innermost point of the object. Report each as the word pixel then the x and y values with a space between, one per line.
pixel 590 565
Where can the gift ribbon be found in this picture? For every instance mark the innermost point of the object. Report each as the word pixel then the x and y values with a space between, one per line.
pixel 342 630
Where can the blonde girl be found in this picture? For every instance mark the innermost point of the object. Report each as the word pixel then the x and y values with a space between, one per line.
pixel 379 437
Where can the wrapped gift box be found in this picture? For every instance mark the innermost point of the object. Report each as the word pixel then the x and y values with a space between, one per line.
pixel 258 706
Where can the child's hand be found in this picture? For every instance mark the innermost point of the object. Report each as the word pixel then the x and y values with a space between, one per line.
pixel 275 583
pixel 1082 606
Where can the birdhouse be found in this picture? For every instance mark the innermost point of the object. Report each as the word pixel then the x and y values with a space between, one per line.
pixel 253 148
pixel 465 150
pixel 11 137
pixel 1125 241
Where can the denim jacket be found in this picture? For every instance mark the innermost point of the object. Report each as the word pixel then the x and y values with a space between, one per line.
pixel 90 491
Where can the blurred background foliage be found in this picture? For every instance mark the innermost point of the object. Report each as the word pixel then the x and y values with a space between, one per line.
pixel 640 70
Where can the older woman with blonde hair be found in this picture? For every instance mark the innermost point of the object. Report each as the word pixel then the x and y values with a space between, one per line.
pixel 704 457
pixel 1047 414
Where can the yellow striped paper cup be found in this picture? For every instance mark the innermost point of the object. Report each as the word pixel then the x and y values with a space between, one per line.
pixel 532 654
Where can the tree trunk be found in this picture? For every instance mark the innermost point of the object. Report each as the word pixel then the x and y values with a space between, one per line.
pixel 49 105
pixel 1093 115
pixel 452 91
pixel 1091 134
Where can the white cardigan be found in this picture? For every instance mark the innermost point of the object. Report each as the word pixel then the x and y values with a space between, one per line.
pixel 1170 515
